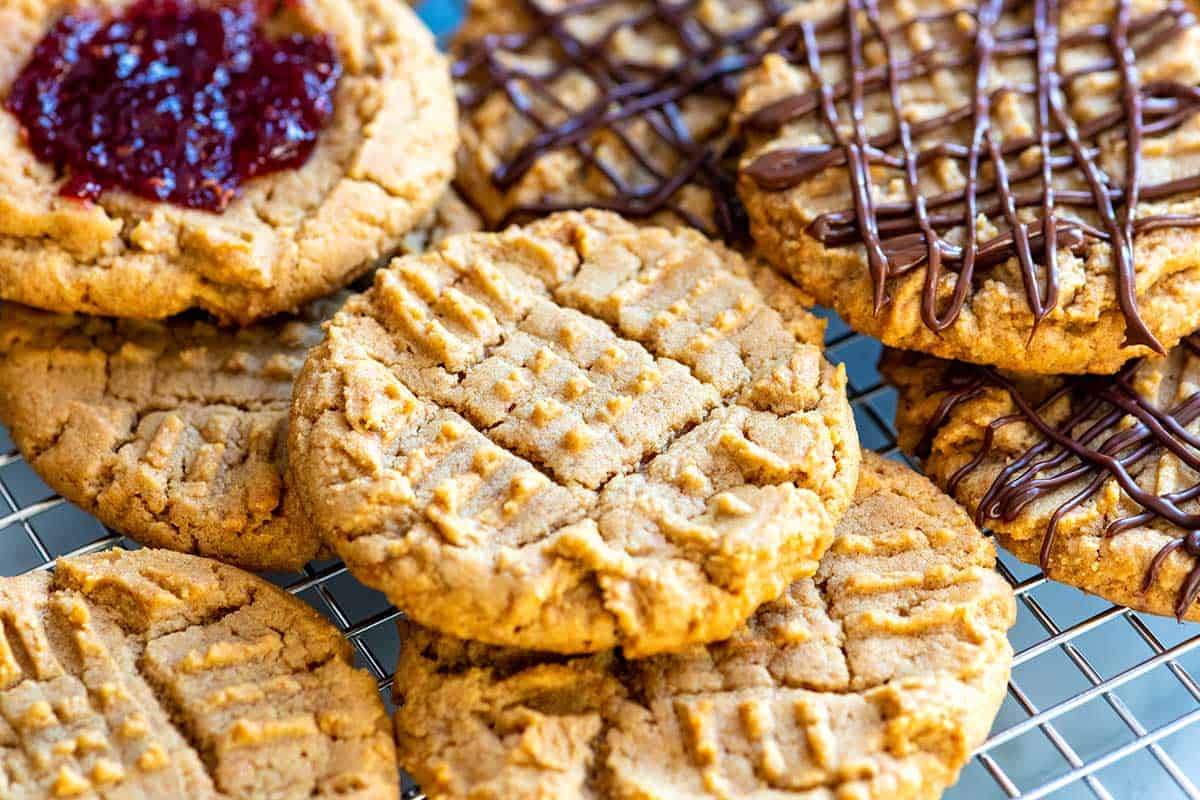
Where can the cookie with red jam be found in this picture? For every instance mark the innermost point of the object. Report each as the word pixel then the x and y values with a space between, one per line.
pixel 235 156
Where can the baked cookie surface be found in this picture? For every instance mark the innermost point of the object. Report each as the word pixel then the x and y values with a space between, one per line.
pixel 452 215
pixel 379 166
pixel 622 105
pixel 874 678
pixel 174 432
pixel 858 185
pixel 1093 477
pixel 575 435
pixel 157 674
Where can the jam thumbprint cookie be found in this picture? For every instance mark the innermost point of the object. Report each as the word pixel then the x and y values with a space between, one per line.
pixel 239 157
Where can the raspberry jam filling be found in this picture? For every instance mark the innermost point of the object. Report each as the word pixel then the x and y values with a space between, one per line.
pixel 173 100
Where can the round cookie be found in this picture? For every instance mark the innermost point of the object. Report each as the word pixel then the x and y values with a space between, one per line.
pixel 1092 477
pixel 870 219
pixel 873 679
pixel 575 435
pixel 623 106
pixel 156 674
pixel 379 166
pixel 171 432
pixel 175 432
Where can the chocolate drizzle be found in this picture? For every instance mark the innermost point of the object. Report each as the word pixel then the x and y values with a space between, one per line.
pixel 1110 429
pixel 899 237
pixel 624 91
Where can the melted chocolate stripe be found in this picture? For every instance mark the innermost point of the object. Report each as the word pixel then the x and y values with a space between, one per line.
pixel 901 236
pixel 1013 43
pixel 985 45
pixel 802 163
pixel 625 93
pixel 933 250
pixel 1110 430
pixel 1045 26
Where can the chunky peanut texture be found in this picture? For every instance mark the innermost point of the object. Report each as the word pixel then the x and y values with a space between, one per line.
pixel 575 435
pixel 153 674
pixel 379 167
pixel 874 678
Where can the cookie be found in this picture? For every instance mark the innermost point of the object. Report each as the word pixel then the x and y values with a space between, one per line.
pixel 157 674
pixel 1093 477
pixel 623 106
pixel 451 215
pixel 174 432
pixel 575 435
pixel 380 164
pixel 858 184
pixel 873 679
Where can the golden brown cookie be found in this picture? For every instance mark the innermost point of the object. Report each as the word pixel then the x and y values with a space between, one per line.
pixel 1093 477
pixel 930 219
pixel 379 166
pixel 875 678
pixel 623 106
pixel 575 435
pixel 152 674
pixel 175 432
pixel 451 215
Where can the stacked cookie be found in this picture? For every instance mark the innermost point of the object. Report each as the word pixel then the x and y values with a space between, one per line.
pixel 1030 213
pixel 609 477
pixel 602 467
pixel 594 453
pixel 174 168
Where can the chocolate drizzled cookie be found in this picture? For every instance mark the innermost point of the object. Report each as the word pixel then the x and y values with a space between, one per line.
pixel 1096 478
pixel 615 104
pixel 1004 184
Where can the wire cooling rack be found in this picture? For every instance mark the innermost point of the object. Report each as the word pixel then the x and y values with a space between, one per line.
pixel 1102 702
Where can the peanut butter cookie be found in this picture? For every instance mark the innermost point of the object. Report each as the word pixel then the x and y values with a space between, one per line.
pixel 160 675
pixel 575 435
pixel 1015 185
pixel 623 106
pixel 875 678
pixel 1093 477
pixel 378 165
pixel 175 432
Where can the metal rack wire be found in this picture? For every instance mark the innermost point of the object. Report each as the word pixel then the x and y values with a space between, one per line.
pixel 1102 703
